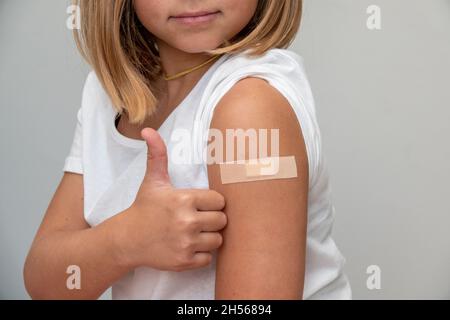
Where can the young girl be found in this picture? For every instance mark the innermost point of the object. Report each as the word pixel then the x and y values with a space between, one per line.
pixel 129 214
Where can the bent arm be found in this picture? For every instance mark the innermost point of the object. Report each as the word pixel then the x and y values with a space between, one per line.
pixel 65 239
pixel 263 254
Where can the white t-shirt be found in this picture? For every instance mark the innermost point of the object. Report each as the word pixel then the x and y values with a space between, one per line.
pixel 114 165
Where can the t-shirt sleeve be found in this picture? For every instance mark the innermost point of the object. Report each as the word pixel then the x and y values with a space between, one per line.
pixel 74 160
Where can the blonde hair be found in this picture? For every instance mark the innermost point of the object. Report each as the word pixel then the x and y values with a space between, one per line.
pixel 125 57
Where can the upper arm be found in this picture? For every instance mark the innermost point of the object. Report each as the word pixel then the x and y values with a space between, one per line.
pixel 66 208
pixel 263 254
pixel 65 211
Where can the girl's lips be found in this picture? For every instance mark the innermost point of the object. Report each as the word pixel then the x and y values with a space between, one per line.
pixel 195 18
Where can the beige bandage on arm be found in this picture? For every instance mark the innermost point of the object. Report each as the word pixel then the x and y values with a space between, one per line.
pixel 268 168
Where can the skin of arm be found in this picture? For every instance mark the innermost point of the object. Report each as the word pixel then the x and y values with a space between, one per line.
pixel 263 253
pixel 70 240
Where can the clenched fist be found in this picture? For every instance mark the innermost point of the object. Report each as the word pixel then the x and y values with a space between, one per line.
pixel 168 228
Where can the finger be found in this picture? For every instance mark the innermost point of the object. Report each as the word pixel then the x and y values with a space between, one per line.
pixel 211 221
pixel 157 168
pixel 200 259
pixel 208 241
pixel 207 200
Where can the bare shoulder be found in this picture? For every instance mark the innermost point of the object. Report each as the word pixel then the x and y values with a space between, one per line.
pixel 252 97
pixel 253 103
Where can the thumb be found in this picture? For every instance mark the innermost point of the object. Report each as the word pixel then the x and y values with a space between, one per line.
pixel 157 159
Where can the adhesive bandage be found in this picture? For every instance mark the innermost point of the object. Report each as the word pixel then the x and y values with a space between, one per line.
pixel 268 168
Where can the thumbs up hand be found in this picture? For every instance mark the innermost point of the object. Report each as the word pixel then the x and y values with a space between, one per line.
pixel 168 228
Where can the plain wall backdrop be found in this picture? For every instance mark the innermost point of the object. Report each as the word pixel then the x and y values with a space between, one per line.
pixel 383 103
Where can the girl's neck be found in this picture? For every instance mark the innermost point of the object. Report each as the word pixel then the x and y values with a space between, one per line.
pixel 174 61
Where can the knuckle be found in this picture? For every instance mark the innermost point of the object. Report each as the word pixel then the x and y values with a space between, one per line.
pixel 183 261
pixel 179 267
pixel 185 199
pixel 207 259
pixel 186 245
pixel 188 222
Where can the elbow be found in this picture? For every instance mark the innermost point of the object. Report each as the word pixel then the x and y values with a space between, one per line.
pixel 40 287
pixel 30 284
pixel 34 282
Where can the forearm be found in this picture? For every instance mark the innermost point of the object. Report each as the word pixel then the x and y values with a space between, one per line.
pixel 93 250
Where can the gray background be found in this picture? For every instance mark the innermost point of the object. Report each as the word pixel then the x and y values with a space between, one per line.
pixel 382 98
